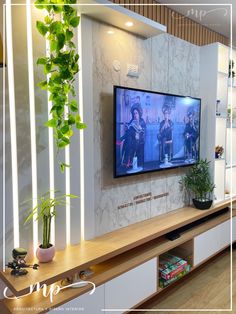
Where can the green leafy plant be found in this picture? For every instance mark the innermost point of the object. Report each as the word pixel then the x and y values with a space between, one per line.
pixel 198 181
pixel 60 65
pixel 45 211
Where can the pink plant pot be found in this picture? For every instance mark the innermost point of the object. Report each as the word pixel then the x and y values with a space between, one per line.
pixel 45 255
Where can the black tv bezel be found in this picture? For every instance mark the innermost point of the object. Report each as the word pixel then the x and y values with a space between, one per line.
pixel 115 87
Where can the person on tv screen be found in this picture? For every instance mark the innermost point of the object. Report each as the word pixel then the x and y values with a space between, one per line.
pixel 134 138
pixel 191 134
pixel 165 135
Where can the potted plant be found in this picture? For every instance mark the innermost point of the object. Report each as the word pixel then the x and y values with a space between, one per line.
pixel 198 182
pixel 45 211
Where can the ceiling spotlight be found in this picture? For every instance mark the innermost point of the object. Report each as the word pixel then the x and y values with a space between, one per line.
pixel 110 32
pixel 129 24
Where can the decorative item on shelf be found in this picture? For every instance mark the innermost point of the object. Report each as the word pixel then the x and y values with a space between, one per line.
pixel 218 107
pixel 45 210
pixel 198 182
pixel 171 268
pixel 19 264
pixel 231 71
pixel 219 151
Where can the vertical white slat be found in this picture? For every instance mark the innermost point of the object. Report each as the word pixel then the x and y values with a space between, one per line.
pixel 3 77
pixel 60 220
pixel 75 219
pixel 51 154
pixel 67 185
pixel 86 136
pixel 32 122
pixel 11 85
pixel 6 234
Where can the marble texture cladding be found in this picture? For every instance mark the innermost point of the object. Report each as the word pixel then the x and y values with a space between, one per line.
pixel 166 64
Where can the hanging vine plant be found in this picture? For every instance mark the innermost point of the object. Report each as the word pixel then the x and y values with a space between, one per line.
pixel 60 66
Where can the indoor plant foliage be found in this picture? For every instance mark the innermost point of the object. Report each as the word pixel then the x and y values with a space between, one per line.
pixel 198 182
pixel 60 66
pixel 45 211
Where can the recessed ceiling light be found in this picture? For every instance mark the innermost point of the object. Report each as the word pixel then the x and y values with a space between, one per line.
pixel 129 24
pixel 110 32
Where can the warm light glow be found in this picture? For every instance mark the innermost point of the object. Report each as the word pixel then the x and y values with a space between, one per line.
pixel 129 24
pixel 11 87
pixel 32 123
pixel 81 139
pixel 110 32
pixel 51 154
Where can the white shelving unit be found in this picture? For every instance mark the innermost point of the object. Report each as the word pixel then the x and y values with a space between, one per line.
pixel 214 64
pixel 230 177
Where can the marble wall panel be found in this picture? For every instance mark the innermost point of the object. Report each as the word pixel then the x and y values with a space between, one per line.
pixel 166 64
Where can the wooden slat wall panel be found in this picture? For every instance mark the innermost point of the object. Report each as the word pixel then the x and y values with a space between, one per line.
pixel 177 24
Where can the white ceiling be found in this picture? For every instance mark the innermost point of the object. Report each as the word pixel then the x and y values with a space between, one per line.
pixel 214 14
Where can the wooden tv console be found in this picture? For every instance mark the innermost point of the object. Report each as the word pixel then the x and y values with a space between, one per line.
pixel 125 262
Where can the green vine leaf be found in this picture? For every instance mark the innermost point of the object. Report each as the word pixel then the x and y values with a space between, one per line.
pixel 42 28
pixel 73 106
pixel 75 21
pixel 51 123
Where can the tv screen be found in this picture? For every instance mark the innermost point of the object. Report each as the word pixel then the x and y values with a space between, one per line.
pixel 154 131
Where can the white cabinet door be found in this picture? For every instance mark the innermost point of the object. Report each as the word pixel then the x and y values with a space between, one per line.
pixel 234 229
pixel 131 287
pixel 223 234
pixel 211 241
pixel 86 303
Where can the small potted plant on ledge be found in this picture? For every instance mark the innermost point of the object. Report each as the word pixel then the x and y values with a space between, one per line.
pixel 198 182
pixel 45 211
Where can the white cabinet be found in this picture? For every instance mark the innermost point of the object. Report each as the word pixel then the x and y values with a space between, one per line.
pixel 86 303
pixel 132 287
pixel 234 229
pixel 211 241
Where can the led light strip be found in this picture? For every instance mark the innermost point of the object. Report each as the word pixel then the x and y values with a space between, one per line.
pixel 51 153
pixel 32 122
pixel 81 135
pixel 67 181
pixel 3 146
pixel 11 88
pixel 231 160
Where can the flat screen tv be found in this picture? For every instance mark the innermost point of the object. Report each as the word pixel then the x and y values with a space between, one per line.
pixel 154 131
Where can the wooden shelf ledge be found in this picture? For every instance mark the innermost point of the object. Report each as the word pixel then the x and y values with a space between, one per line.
pixel 105 247
pixel 113 267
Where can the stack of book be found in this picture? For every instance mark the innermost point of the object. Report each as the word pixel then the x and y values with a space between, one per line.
pixel 171 268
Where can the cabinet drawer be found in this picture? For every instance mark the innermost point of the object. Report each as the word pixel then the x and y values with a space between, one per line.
pixel 86 303
pixel 211 241
pixel 132 287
